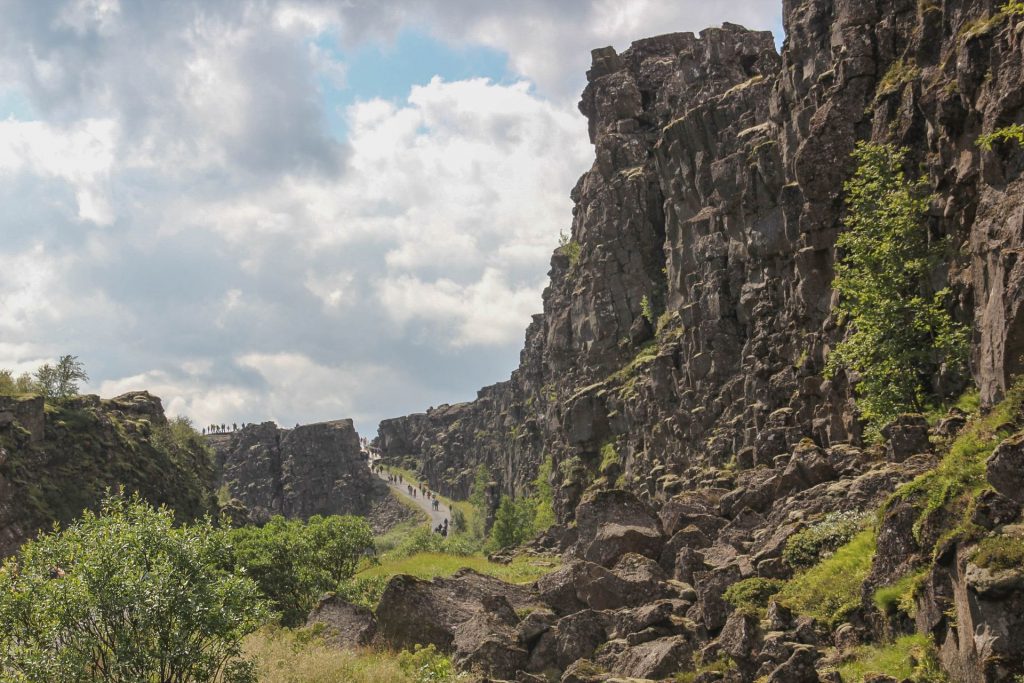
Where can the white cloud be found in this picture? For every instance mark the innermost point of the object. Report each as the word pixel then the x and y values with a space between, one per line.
pixel 183 218
pixel 82 155
pixel 489 311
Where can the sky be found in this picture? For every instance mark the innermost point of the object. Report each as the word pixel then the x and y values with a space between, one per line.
pixel 295 210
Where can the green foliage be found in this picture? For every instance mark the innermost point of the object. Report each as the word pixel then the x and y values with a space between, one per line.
pixel 61 381
pixel 364 590
pixel 1000 552
pixel 831 589
pixel 570 248
pixel 901 334
pixel 1012 133
pixel 1013 8
pixel 513 522
pixel 961 473
pixel 295 562
pixel 909 658
pixel 95 448
pixel 647 310
pixel 901 72
pixel 14 386
pixel 478 500
pixel 302 656
pixel 543 497
pixel 899 597
pixel 806 548
pixel 752 595
pixel 123 596
pixel 426 665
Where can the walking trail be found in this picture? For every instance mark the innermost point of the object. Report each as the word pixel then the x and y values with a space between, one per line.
pixel 436 516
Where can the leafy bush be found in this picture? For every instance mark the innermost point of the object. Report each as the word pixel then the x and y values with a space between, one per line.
pixel 831 589
pixel 570 248
pixel 124 596
pixel 1012 133
pixel 806 548
pixel 901 334
pixel 752 595
pixel 295 562
pixel 363 590
pixel 543 497
pixel 426 665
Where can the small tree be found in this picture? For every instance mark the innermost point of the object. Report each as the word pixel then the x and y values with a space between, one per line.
pixel 513 522
pixel 123 596
pixel 61 381
pixel 901 334
pixel 478 499
pixel 296 562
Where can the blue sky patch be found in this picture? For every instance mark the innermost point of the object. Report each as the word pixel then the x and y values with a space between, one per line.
pixel 389 70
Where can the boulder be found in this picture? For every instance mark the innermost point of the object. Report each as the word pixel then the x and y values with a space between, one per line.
pixel 574 637
pixel 347 625
pixel 417 612
pixel 613 523
pixel 487 642
pixel 656 659
pixel 907 435
pixel 1005 468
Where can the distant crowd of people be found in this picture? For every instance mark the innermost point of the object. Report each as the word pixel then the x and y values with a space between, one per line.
pixel 413 490
pixel 223 428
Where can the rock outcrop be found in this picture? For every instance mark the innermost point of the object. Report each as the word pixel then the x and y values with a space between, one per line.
pixel 59 460
pixel 315 469
pixel 678 369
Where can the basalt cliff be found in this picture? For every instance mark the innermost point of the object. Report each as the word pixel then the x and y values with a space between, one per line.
pixel 676 377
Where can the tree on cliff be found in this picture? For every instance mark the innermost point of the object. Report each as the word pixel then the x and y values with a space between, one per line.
pixel 901 334
pixel 124 596
pixel 61 381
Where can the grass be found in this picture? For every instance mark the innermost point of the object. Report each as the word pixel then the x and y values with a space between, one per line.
pixel 907 658
pixel 960 476
pixel 286 656
pixel 751 596
pixel 899 74
pixel 1000 552
pixel 831 589
pixel 430 565
pixel 899 596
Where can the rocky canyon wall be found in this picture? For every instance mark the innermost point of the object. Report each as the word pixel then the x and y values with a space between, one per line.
pixel 713 207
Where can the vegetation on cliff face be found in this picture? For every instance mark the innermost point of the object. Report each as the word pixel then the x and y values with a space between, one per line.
pixel 902 336
pixel 124 595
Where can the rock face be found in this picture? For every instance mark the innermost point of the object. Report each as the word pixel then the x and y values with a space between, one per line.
pixel 713 206
pixel 54 463
pixel 677 369
pixel 315 469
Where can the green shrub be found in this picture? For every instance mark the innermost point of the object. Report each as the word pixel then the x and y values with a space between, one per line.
pixel 647 310
pixel 1000 552
pixel 426 665
pixel 752 595
pixel 806 548
pixel 570 248
pixel 124 596
pixel 543 497
pixel 363 590
pixel 296 562
pixel 513 522
pixel 831 589
pixel 1013 133
pixel 901 334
